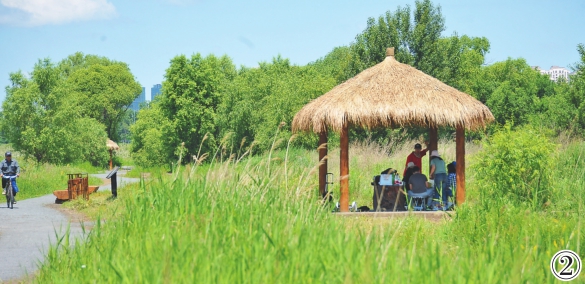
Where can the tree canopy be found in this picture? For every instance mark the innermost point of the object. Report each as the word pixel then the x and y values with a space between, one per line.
pixel 64 112
pixel 207 102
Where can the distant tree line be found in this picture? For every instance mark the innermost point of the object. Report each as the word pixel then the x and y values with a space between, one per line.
pixel 63 112
pixel 206 103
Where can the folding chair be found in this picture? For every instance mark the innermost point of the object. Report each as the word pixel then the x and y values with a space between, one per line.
pixel 418 201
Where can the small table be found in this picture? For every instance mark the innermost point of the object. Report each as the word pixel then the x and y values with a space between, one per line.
pixel 393 198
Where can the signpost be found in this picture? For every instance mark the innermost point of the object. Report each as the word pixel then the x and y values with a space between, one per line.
pixel 113 176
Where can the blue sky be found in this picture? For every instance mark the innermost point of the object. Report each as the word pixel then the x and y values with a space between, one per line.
pixel 147 34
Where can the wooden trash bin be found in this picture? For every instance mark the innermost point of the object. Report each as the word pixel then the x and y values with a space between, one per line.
pixel 77 185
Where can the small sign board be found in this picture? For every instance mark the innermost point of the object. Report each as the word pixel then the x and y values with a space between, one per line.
pixel 113 172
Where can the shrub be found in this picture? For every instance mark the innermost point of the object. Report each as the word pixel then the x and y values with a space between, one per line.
pixel 515 167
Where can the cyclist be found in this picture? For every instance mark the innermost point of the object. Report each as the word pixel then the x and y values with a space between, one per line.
pixel 9 167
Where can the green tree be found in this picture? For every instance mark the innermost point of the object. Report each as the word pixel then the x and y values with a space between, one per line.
pixel 48 116
pixel 576 92
pixel 260 99
pixel 46 129
pixel 417 38
pixel 103 88
pixel 192 90
pixel 123 129
pixel 336 64
pixel 149 141
pixel 555 110
pixel 511 103
pixel 511 89
pixel 458 60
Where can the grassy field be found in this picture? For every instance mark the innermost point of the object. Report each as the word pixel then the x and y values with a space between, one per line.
pixel 256 221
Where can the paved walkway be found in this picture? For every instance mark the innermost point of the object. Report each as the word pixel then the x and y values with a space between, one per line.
pixel 122 181
pixel 27 231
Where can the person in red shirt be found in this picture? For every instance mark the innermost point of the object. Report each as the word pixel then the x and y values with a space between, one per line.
pixel 416 157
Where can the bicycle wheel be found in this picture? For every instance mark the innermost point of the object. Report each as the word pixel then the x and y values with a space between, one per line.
pixel 9 196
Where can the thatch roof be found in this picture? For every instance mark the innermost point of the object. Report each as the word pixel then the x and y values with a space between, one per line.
pixel 112 145
pixel 392 94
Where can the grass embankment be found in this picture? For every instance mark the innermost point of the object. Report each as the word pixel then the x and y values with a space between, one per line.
pixel 257 222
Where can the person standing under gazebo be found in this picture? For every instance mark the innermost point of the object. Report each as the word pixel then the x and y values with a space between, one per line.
pixel 439 175
pixel 416 156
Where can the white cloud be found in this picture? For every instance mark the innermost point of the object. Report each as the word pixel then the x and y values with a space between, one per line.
pixel 43 12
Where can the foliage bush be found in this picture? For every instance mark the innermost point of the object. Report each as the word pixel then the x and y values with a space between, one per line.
pixel 89 136
pixel 148 142
pixel 515 168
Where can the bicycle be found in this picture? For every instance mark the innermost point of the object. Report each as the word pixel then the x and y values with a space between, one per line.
pixel 9 191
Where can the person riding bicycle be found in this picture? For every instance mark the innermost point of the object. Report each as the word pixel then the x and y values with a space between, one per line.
pixel 9 167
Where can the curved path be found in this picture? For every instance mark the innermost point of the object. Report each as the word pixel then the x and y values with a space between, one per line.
pixel 27 231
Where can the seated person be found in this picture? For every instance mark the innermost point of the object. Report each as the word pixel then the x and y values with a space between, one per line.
pixel 408 173
pixel 418 183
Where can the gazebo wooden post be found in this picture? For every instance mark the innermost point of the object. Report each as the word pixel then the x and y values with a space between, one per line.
pixel 322 162
pixel 344 168
pixel 433 143
pixel 460 167
pixel 111 159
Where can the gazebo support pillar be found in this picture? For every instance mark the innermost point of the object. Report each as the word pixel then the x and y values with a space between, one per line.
pixel 322 162
pixel 344 169
pixel 433 143
pixel 460 167
pixel 111 157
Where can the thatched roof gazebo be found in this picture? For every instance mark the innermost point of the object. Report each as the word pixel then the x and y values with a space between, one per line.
pixel 111 145
pixel 390 94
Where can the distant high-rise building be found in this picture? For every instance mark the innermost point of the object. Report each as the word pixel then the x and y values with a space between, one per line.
pixel 555 72
pixel 135 106
pixel 155 91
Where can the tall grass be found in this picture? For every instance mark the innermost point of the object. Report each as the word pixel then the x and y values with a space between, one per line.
pixel 235 221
